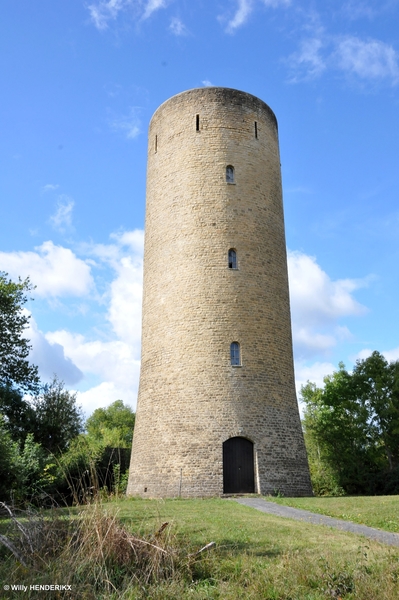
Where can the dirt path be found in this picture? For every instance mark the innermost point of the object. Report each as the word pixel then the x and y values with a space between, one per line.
pixel 385 537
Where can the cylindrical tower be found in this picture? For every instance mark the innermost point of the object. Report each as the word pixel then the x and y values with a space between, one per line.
pixel 217 410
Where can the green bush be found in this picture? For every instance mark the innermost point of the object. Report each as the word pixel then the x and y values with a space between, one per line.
pixel 27 473
pixel 89 467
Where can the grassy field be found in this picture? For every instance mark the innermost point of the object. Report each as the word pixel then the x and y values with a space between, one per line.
pixel 261 556
pixel 381 512
pixel 256 556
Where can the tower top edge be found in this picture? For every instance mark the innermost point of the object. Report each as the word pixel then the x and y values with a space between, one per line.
pixel 222 95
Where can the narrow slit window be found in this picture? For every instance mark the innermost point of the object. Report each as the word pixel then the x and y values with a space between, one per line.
pixel 232 259
pixel 197 123
pixel 256 129
pixel 156 144
pixel 235 358
pixel 230 174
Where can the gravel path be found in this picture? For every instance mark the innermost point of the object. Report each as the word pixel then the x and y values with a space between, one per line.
pixel 385 537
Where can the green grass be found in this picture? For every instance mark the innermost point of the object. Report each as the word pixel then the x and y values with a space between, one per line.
pixel 256 557
pixel 262 556
pixel 381 512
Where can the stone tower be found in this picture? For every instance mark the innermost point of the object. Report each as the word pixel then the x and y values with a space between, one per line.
pixel 217 410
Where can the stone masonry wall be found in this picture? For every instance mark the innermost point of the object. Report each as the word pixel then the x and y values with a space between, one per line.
pixel 191 399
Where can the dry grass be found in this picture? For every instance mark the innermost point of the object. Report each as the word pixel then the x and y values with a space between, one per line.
pixel 33 536
pixel 90 550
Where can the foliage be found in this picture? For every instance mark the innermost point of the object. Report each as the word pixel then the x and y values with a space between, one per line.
pixel 352 428
pixel 58 419
pixel 377 385
pixel 15 369
pixel 8 454
pixel 88 469
pixel 113 426
pixel 19 416
pixel 34 471
pixel 26 471
pixel 77 471
pixel 43 453
pixel 31 434
pixel 120 479
pixel 325 480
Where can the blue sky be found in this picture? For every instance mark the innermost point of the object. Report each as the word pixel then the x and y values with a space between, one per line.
pixel 80 82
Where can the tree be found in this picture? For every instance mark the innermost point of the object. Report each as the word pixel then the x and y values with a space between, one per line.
pixel 8 453
pixel 377 386
pixel 100 458
pixel 113 426
pixel 354 424
pixel 15 369
pixel 323 471
pixel 338 423
pixel 58 419
pixel 32 468
pixel 19 416
pixel 25 471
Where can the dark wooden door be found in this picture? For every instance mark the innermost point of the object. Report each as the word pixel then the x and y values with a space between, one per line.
pixel 238 466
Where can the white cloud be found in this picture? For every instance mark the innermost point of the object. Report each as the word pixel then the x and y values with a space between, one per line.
pixel 241 15
pixel 307 341
pixel 308 62
pixel 128 124
pixel 113 253
pixel 125 295
pixel 276 3
pixel 152 6
pixel 177 27
pixel 106 10
pixel 50 187
pixel 50 357
pixel 315 297
pixel 365 353
pixel 370 59
pixel 317 303
pixel 103 12
pixel 314 373
pixel 62 218
pixel 55 270
pixel 353 9
pixel 207 83
pixel 116 364
pixel 125 306
pixel 114 360
pixel 390 355
pixel 320 51
pixel 134 239
pixel 243 11
pixel 104 394
pixel 94 357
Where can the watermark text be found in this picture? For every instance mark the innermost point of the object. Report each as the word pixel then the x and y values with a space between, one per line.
pixel 37 588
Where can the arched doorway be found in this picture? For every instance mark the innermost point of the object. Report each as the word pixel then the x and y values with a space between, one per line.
pixel 238 466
